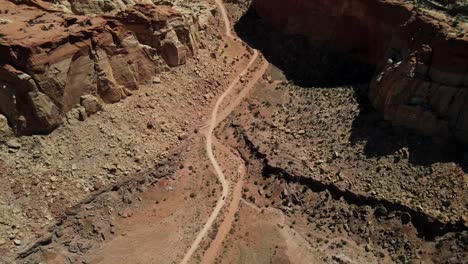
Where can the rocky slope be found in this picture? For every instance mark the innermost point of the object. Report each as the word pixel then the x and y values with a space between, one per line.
pixel 421 56
pixel 53 58
pixel 85 154
pixel 324 155
pixel 80 7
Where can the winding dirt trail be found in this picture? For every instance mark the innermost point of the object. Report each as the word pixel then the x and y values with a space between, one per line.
pixel 215 246
pixel 227 21
pixel 214 121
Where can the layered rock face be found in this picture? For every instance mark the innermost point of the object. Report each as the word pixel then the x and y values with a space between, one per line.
pixel 86 7
pixel 164 29
pixel 421 57
pixel 50 59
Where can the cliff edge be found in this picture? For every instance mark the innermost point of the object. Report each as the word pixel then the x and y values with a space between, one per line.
pixel 55 61
pixel 420 55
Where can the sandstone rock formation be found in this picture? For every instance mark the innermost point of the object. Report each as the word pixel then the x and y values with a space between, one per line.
pixel 421 56
pixel 163 28
pixel 81 7
pixel 51 58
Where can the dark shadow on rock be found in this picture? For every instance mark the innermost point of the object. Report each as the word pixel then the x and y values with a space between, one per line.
pixel 309 66
pixel 383 139
pixel 302 63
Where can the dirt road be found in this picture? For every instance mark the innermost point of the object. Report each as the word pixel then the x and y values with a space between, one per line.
pixel 227 21
pixel 226 225
pixel 209 143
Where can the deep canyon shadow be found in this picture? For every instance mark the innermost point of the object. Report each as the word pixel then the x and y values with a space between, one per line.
pixel 302 63
pixel 382 138
pixel 308 66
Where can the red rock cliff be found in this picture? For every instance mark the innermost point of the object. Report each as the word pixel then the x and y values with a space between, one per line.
pixel 50 59
pixel 421 57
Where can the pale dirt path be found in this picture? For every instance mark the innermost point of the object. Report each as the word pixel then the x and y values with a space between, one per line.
pixel 227 21
pixel 298 248
pixel 212 252
pixel 209 144
pixel 258 74
pixel 217 168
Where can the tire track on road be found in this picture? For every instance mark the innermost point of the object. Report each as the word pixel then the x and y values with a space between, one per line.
pixel 209 142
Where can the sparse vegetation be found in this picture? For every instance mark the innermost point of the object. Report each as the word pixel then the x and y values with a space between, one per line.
pixel 316 159
pixel 458 9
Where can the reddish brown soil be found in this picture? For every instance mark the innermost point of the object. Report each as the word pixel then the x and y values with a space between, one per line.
pixel 315 175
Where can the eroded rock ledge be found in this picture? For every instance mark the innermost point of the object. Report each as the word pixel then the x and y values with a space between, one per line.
pixel 421 57
pixel 51 58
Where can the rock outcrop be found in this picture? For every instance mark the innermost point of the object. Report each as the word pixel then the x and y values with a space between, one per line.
pixel 163 28
pixel 87 7
pixel 421 56
pixel 50 59
pixel 5 130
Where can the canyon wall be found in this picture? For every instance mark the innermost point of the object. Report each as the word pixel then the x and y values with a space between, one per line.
pixel 51 59
pixel 163 28
pixel 421 56
pixel 87 7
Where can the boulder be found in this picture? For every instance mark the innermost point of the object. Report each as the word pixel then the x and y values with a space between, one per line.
pixel 13 144
pixel 47 114
pixel 91 104
pixel 5 129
